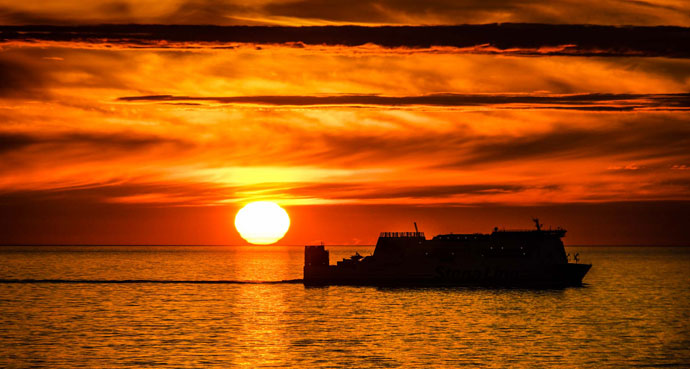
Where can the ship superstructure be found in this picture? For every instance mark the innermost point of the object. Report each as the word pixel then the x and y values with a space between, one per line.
pixel 502 258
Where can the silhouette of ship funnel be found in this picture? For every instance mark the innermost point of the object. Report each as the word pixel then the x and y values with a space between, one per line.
pixel 520 258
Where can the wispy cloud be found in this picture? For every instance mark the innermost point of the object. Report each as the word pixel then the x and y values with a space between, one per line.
pixel 642 140
pixel 122 140
pixel 592 101
pixel 509 38
pixel 369 12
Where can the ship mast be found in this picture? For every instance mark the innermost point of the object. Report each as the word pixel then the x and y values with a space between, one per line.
pixel 536 221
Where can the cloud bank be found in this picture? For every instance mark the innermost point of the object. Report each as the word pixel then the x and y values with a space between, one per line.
pixel 587 102
pixel 507 38
pixel 325 12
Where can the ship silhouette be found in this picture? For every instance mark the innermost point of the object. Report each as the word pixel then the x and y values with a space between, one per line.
pixel 510 258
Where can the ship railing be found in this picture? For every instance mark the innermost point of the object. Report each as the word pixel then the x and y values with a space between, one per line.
pixel 401 235
pixel 575 257
pixel 555 230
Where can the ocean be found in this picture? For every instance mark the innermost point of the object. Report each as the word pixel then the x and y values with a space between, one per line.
pixel 241 306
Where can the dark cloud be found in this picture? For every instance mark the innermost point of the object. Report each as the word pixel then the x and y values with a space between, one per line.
pixel 207 193
pixel 663 138
pixel 595 101
pixel 18 80
pixel 116 8
pixel 511 38
pixel 98 142
pixel 338 191
pixel 9 15
pixel 228 12
pixel 652 5
pixel 33 73
pixel 475 11
pixel 10 142
pixel 205 12
pixel 344 11
pixel 635 141
pixel 683 183
pixel 115 191
pixel 193 194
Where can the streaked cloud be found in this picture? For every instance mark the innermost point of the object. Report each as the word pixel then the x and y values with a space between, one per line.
pixel 122 140
pixel 589 102
pixel 509 38
pixel 321 12
pixel 476 11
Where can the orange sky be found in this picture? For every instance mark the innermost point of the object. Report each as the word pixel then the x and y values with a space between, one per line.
pixel 102 144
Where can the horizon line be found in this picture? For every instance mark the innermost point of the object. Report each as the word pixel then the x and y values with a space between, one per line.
pixel 290 245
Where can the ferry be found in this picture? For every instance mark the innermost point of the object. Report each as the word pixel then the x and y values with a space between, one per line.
pixel 503 258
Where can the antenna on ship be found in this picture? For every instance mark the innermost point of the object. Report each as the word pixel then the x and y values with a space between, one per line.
pixel 536 221
pixel 415 227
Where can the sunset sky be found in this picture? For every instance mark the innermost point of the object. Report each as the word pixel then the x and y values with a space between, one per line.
pixel 130 133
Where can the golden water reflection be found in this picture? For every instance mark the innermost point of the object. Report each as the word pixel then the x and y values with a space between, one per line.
pixel 632 312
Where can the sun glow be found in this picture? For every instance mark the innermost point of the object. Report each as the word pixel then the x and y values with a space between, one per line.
pixel 262 222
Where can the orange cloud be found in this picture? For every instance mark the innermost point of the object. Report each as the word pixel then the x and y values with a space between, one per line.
pixel 219 127
pixel 501 39
pixel 321 12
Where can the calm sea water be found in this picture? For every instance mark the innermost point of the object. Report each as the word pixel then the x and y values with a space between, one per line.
pixel 633 311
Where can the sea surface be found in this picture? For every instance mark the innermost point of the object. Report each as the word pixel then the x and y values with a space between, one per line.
pixel 134 307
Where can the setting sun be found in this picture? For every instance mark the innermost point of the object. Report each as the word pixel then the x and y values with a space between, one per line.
pixel 262 222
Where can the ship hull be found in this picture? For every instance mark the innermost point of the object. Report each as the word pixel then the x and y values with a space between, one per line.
pixel 549 276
